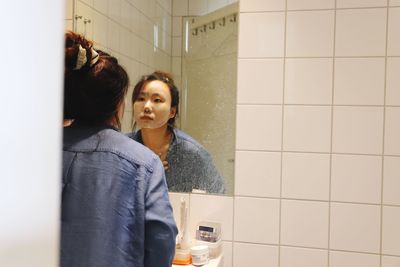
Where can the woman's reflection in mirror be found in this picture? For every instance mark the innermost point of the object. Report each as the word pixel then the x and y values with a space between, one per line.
pixel 188 165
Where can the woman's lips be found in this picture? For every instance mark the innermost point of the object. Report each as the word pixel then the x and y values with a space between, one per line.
pixel 146 118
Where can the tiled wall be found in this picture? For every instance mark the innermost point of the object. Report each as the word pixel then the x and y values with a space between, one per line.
pixel 318 148
pixel 137 32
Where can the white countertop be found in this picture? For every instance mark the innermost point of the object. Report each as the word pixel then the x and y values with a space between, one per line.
pixel 217 262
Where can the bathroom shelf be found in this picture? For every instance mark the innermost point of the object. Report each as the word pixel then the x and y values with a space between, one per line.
pixel 217 262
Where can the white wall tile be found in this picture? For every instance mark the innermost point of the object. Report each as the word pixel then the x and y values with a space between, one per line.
pixel 69 8
pixel 391 231
pixel 257 173
pixel 356 178
pixel 177 26
pixel 392 131
pixel 304 223
pixel 308 81
pixel 350 259
pixel 101 6
pixel 359 81
pixel 391 181
pixel 258 127
pixel 88 2
pixel 126 11
pixel 394 32
pixel 113 33
pixel 125 42
pixel 69 25
pixel 394 2
pixel 390 261
pixel 310 4
pixel 360 3
pixel 261 34
pixel 87 14
pixel 197 7
pixel 114 10
pixel 260 81
pixel 303 257
pixel 180 7
pixel 310 33
pixel 176 46
pixel 100 25
pixel 176 65
pixel 307 128
pixel 255 255
pixel 355 227
pixel 256 220
pixel 126 122
pixel 227 250
pixel 357 130
pixel 214 209
pixel 393 81
pixel 305 176
pixel 213 5
pixel 166 4
pixel 361 32
pixel 262 5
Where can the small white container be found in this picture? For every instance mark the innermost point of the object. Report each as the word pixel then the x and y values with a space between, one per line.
pixel 200 255
pixel 215 248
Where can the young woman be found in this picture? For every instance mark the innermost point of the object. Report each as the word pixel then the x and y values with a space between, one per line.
pixel 115 205
pixel 188 166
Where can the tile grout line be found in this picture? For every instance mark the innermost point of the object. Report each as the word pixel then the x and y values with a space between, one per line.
pixel 331 144
pixel 383 138
pixel 282 134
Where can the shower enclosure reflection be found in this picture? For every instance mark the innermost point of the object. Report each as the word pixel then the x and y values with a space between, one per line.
pixel 209 66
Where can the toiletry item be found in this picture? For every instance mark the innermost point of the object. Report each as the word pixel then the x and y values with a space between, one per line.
pixel 208 231
pixel 182 256
pixel 215 248
pixel 184 240
pixel 200 255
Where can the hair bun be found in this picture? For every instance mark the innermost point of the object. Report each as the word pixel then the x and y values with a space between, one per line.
pixel 73 43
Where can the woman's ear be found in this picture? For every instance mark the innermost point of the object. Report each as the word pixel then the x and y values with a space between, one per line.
pixel 172 112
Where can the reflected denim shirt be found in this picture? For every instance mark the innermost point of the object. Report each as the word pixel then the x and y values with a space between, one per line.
pixel 115 205
pixel 190 165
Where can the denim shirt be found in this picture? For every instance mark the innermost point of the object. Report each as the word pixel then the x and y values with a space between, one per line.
pixel 115 205
pixel 190 166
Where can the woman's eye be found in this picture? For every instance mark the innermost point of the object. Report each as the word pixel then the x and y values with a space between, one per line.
pixel 140 99
pixel 158 100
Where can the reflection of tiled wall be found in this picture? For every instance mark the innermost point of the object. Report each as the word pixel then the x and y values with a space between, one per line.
pixel 318 149
pixel 137 32
pixel 183 8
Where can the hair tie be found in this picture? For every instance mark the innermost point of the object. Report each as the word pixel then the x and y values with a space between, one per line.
pixel 82 59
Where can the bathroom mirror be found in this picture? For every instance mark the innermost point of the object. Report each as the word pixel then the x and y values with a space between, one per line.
pixel 196 42
pixel 209 85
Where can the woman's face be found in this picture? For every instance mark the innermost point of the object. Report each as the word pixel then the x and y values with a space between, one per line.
pixel 152 109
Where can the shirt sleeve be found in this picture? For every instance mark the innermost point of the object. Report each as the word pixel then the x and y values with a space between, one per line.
pixel 160 227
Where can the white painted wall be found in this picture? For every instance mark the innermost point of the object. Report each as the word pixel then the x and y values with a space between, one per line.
pixel 30 136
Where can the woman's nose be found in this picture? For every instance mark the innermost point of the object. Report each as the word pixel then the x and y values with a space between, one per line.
pixel 147 107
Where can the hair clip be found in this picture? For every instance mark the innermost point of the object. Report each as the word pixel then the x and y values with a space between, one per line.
pixel 82 59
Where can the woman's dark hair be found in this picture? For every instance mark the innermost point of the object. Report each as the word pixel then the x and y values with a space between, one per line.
pixel 93 92
pixel 165 78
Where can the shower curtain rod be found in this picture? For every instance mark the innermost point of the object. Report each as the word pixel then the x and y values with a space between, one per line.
pixel 214 16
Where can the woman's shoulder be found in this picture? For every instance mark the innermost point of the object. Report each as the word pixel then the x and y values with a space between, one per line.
pixel 125 147
pixel 190 145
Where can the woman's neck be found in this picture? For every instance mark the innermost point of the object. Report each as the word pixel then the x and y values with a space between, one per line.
pixel 157 139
